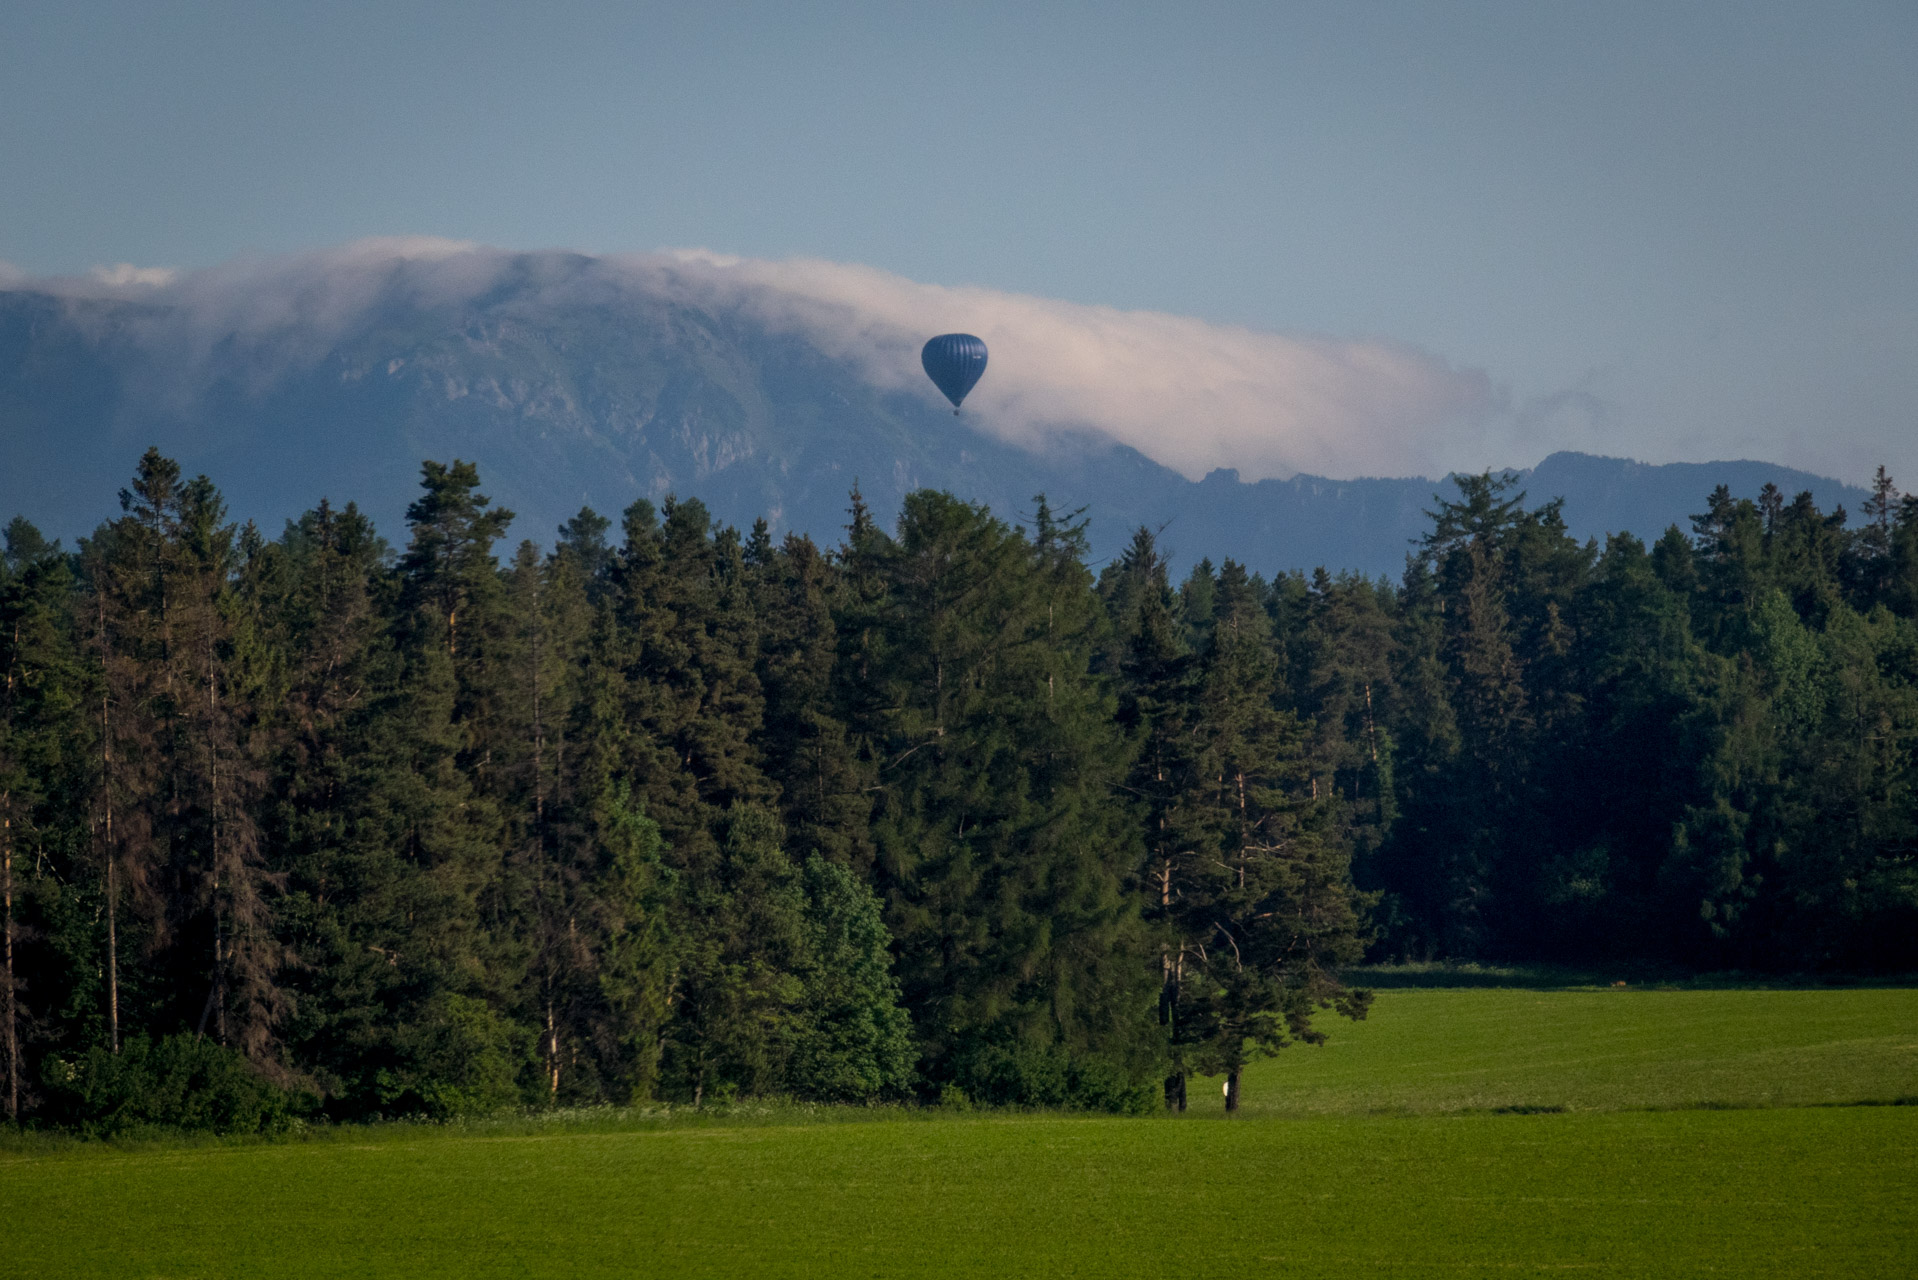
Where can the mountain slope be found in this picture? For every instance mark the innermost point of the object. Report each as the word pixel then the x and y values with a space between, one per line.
pixel 571 388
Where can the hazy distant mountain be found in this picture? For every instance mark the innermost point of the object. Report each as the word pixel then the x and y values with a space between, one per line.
pixel 569 391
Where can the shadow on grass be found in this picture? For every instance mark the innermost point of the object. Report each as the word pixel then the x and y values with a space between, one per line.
pixel 537 1123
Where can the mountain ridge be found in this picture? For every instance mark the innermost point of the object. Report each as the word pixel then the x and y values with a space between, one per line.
pixel 569 389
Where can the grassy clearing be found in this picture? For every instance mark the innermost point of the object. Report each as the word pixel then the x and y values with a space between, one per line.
pixel 1437 1050
pixel 1311 1183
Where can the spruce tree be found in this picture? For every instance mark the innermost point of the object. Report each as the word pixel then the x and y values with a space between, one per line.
pixel 692 706
pixel 410 1020
pixel 739 953
pixel 1156 681
pixel 825 785
pixel 44 773
pixel 1267 911
pixel 1001 853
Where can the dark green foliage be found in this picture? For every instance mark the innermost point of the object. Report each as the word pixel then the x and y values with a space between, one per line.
pixel 1249 847
pixel 1026 1075
pixel 178 1083
pixel 1700 753
pixel 826 784
pixel 453 1055
pixel 1004 843
pixel 854 1041
pixel 783 981
pixel 699 816
pixel 44 776
pixel 625 949
pixel 738 993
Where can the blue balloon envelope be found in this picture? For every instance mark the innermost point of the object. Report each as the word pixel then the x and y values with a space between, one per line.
pixel 954 362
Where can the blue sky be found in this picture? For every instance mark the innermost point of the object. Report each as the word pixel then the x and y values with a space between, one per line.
pixel 1675 230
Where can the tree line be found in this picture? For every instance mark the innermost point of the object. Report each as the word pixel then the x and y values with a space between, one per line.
pixel 668 811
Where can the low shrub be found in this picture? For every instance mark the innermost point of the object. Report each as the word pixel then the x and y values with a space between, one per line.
pixel 458 1058
pixel 1026 1076
pixel 178 1084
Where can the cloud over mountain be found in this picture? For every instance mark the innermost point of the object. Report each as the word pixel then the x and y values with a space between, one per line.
pixel 763 389
pixel 1189 394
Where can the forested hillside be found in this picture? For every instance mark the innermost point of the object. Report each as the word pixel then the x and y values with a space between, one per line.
pixel 671 811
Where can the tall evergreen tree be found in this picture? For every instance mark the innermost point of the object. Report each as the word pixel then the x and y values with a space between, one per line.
pixel 693 705
pixel 825 783
pixel 43 780
pixel 1000 852
pixel 1267 910
pixel 702 816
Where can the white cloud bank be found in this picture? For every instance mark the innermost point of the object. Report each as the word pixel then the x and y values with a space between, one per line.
pixel 1189 394
pixel 125 273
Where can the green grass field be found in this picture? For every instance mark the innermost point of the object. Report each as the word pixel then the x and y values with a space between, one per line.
pixel 1379 1154
pixel 1427 1050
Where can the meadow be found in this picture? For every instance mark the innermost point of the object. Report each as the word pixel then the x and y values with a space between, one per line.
pixel 1435 1049
pixel 1455 1132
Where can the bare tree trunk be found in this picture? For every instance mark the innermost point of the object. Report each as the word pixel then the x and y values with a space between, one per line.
pixel 219 970
pixel 1371 729
pixel 552 1054
pixel 209 677
pixel 215 1005
pixel 13 1013
pixel 539 735
pixel 107 850
pixel 113 946
pixel 6 891
pixel 1245 825
pixel 1169 1019
pixel 538 624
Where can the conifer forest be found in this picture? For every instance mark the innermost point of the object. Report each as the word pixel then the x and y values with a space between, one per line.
pixel 433 822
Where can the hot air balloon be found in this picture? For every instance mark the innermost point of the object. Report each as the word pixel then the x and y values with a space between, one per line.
pixel 954 362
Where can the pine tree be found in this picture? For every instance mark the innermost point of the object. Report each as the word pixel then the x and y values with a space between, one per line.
pixel 627 921
pixel 548 613
pixel 219 775
pixel 409 1017
pixel 14 798
pixel 323 592
pixel 1157 695
pixel 740 953
pixel 1901 587
pixel 1624 782
pixel 1732 570
pixel 999 855
pixel 133 571
pixel 1345 688
pixel 1412 868
pixel 1268 911
pixel 1806 552
pixel 692 708
pixel 1867 560
pixel 1485 686
pixel 43 771
pixel 825 785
